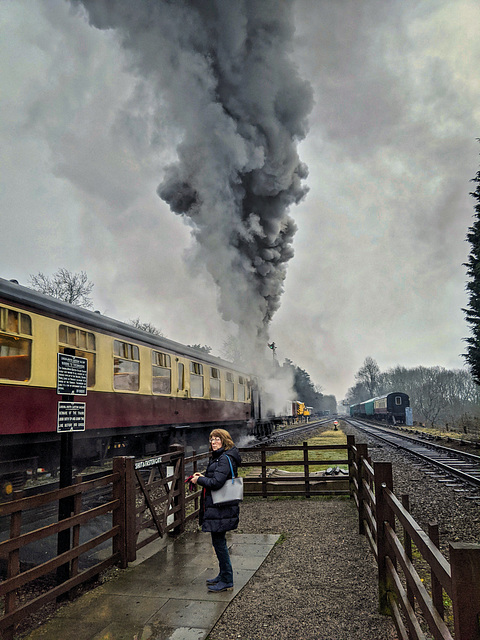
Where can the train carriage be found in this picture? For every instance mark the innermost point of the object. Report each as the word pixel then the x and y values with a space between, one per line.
pixel 390 407
pixel 144 391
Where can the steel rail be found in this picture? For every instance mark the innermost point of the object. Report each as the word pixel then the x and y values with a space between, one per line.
pixel 288 433
pixel 446 459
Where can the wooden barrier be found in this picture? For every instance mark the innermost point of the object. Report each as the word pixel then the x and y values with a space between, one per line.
pixel 150 498
pixel 401 590
pixel 300 484
pixel 15 610
pixel 159 500
pixel 304 484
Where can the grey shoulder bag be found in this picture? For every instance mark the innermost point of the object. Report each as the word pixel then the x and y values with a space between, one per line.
pixel 232 490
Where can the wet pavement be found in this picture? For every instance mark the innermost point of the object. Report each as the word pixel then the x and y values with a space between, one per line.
pixel 163 596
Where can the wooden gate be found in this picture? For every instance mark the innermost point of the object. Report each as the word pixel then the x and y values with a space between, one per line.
pixel 159 496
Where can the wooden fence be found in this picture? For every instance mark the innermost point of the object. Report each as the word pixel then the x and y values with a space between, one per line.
pixel 144 500
pixel 18 577
pixel 162 503
pixel 305 483
pixel 147 499
pixel 402 592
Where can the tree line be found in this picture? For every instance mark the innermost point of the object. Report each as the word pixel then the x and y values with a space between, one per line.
pixel 308 392
pixel 439 397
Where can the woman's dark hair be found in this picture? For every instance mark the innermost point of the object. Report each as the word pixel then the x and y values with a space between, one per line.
pixel 225 437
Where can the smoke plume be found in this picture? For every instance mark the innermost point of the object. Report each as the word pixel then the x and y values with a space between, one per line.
pixel 225 85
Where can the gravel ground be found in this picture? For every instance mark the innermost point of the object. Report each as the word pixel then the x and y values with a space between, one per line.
pixel 458 516
pixel 318 583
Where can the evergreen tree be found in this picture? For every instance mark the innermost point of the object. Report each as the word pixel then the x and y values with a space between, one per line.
pixel 303 386
pixel 473 287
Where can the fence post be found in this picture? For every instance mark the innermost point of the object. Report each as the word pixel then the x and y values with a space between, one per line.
pixel 179 500
pixel 130 508
pixel 306 470
pixel 362 452
pixel 263 456
pixel 13 569
pixel 350 445
pixel 194 470
pixel 465 567
pixel 383 476
pixel 125 517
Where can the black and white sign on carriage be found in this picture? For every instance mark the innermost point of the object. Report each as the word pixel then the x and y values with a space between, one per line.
pixel 71 375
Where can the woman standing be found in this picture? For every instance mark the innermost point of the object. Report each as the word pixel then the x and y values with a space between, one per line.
pixel 219 518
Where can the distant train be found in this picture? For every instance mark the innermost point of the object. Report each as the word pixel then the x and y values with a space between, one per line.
pixel 300 409
pixel 143 391
pixel 391 407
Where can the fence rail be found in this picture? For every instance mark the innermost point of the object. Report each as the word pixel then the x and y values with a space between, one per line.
pixel 402 592
pixel 304 483
pixel 14 610
pixel 147 499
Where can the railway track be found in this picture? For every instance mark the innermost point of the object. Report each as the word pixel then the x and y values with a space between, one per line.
pixel 278 436
pixel 444 462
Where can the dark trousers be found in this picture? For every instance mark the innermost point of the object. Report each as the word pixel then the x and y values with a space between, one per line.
pixel 219 542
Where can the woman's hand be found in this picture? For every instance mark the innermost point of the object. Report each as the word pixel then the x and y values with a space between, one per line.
pixel 195 477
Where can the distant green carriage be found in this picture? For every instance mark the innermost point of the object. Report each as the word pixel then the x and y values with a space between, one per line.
pixel 390 407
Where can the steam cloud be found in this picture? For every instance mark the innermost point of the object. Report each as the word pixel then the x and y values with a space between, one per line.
pixel 223 80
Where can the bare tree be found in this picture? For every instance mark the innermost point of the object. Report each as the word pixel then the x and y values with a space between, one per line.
pixel 438 396
pixel 146 326
pixel 232 350
pixel 357 393
pixel 369 376
pixel 431 399
pixel 204 349
pixel 74 288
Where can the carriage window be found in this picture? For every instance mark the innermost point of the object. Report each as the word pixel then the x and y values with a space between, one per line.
pixel 381 403
pixel 196 380
pixel 25 324
pixel 161 372
pixel 215 389
pixel 126 366
pixel 181 376
pixel 229 386
pixel 15 349
pixel 398 400
pixel 241 389
pixel 83 342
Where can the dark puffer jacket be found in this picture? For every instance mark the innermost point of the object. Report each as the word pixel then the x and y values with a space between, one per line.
pixel 218 517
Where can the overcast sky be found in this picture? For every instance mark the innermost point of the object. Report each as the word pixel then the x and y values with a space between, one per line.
pixel 391 150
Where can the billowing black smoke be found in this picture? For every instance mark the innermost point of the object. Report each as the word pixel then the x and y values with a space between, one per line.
pixel 223 77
